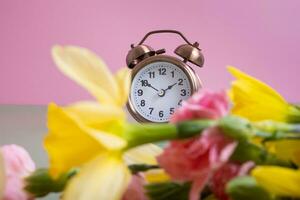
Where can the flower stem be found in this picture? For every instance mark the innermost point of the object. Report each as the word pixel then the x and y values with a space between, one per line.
pixel 138 134
pixel 272 127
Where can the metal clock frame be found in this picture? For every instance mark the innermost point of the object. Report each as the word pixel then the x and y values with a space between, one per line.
pixel 193 79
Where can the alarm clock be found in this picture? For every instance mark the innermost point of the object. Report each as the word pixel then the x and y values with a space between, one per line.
pixel 159 82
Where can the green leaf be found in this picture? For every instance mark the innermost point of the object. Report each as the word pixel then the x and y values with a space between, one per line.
pixel 168 191
pixel 246 188
pixel 40 183
pixel 135 168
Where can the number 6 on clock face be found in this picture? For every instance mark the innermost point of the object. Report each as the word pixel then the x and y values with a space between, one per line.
pixel 159 87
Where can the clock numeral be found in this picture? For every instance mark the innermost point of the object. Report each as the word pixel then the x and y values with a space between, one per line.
pixel 144 83
pixel 183 92
pixel 173 74
pixel 151 110
pixel 151 74
pixel 172 110
pixel 180 81
pixel 140 92
pixel 143 103
pixel 180 102
pixel 161 113
pixel 162 71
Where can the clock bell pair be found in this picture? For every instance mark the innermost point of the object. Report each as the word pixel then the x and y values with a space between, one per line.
pixel 160 82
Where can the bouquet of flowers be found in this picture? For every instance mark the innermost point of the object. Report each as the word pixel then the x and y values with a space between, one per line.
pixel 240 144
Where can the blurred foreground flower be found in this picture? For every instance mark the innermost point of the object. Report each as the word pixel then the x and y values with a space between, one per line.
pixel 257 101
pixel 224 174
pixel 136 189
pixel 196 159
pixel 278 180
pixel 92 135
pixel 202 105
pixel 17 165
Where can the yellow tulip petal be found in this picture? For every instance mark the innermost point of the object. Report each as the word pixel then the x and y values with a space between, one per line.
pixel 105 178
pixel 156 176
pixel 94 114
pixel 88 70
pixel 2 176
pixel 288 150
pixel 145 154
pixel 69 143
pixel 123 79
pixel 108 140
pixel 278 180
pixel 255 100
pixel 258 84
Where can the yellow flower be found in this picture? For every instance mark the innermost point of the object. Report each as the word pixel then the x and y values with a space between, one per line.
pixel 278 180
pixel 257 101
pixel 288 150
pixel 90 134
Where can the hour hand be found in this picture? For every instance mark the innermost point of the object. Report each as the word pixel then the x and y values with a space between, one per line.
pixel 149 85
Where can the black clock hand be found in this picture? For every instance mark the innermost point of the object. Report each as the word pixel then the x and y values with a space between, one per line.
pixel 149 85
pixel 170 87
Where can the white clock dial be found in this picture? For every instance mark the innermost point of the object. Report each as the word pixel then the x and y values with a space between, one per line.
pixel 158 89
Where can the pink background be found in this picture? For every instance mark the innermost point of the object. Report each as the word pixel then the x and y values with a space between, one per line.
pixel 261 37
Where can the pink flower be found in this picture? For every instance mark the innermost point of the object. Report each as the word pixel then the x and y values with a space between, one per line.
pixel 135 190
pixel 18 164
pixel 197 159
pixel 203 105
pixel 225 174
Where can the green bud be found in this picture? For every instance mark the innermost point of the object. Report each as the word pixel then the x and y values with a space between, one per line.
pixel 246 151
pixel 246 188
pixel 236 127
pixel 40 183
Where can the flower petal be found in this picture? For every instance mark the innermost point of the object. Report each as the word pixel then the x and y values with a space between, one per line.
pixel 288 150
pixel 278 180
pixel 156 176
pixel 94 114
pixel 255 100
pixel 88 70
pixel 123 79
pixel 105 178
pixel 70 144
pixel 145 154
pixel 239 75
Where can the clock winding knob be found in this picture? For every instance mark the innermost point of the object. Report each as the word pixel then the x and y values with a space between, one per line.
pixel 191 53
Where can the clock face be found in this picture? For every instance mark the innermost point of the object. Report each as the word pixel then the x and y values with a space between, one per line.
pixel 158 89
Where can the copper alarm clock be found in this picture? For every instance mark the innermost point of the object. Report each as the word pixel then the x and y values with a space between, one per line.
pixel 159 82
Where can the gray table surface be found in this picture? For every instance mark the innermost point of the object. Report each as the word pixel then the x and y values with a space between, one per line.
pixel 26 126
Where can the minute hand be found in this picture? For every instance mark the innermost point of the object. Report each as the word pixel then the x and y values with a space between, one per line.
pixel 170 87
